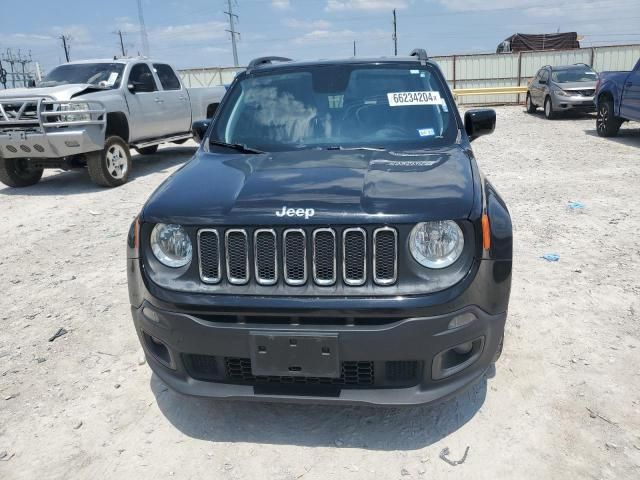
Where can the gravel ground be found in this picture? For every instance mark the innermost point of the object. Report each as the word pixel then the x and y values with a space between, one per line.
pixel 563 402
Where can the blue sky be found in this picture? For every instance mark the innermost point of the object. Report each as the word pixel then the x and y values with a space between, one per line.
pixel 192 33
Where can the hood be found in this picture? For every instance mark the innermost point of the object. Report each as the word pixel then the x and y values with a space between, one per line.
pixel 340 187
pixel 576 85
pixel 60 92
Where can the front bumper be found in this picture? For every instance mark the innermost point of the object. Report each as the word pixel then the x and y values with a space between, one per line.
pixel 576 102
pixel 52 143
pixel 202 344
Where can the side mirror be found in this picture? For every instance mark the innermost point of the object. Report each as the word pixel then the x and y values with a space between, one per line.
pixel 135 87
pixel 199 129
pixel 31 83
pixel 479 121
pixel 542 82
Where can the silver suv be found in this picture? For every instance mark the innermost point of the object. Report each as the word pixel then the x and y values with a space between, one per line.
pixel 559 89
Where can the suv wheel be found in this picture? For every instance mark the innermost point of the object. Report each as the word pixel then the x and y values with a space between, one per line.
pixel 548 109
pixel 531 108
pixel 147 150
pixel 607 125
pixel 110 167
pixel 16 172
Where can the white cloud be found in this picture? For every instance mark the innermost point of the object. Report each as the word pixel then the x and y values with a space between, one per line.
pixel 306 24
pixel 281 4
pixel 328 37
pixel 340 5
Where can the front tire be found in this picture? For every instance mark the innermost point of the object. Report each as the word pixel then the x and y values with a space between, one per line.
pixel 548 109
pixel 17 173
pixel 111 166
pixel 531 108
pixel 607 124
pixel 147 150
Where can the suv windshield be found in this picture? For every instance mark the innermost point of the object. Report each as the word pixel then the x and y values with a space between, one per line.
pixel 338 106
pixel 103 75
pixel 570 75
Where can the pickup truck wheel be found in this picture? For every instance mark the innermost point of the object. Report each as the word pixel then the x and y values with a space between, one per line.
pixel 531 108
pixel 16 172
pixel 147 150
pixel 110 167
pixel 607 125
pixel 548 109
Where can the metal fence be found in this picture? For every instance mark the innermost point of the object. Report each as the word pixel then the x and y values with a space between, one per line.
pixel 516 69
pixel 479 71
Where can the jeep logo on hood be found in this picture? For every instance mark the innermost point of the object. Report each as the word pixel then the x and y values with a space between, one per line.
pixel 296 212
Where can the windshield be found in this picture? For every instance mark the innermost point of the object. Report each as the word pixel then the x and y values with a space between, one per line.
pixel 338 106
pixel 102 75
pixel 571 75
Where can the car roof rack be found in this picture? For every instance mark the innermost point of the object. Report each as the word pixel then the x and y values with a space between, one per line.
pixel 257 62
pixel 421 53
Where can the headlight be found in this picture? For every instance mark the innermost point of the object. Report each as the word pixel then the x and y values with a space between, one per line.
pixel 436 244
pixel 77 117
pixel 561 93
pixel 171 245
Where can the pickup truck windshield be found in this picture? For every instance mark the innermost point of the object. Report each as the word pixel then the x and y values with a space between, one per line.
pixel 338 106
pixel 102 75
pixel 571 75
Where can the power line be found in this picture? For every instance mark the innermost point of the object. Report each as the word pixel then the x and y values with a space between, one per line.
pixel 143 31
pixel 233 32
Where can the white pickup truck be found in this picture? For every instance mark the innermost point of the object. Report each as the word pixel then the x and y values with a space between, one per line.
pixel 89 113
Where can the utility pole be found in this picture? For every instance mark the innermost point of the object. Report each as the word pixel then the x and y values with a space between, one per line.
pixel 143 31
pixel 354 48
pixel 12 61
pixel 66 46
pixel 124 52
pixel 233 32
pixel 23 61
pixel 395 34
pixel 3 75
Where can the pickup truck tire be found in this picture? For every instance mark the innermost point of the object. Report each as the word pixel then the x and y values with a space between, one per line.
pixel 110 167
pixel 531 108
pixel 548 109
pixel 16 172
pixel 607 125
pixel 147 150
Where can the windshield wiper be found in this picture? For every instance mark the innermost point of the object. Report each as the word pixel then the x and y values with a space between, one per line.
pixel 372 149
pixel 235 146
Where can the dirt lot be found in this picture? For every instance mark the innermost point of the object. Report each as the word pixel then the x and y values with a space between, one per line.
pixel 564 401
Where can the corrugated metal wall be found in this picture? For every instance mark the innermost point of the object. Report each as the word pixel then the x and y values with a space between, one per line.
pixel 474 71
pixel 514 69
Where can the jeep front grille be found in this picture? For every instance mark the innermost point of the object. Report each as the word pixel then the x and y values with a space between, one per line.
pixel 297 256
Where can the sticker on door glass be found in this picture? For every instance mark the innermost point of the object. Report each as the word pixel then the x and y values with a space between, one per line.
pixel 399 99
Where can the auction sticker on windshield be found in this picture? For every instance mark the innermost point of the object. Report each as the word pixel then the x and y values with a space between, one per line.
pixel 399 99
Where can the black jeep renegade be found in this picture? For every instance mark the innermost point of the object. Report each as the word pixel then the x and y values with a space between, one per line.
pixel 331 240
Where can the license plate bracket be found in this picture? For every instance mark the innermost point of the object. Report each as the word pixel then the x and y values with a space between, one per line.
pixel 295 354
pixel 17 136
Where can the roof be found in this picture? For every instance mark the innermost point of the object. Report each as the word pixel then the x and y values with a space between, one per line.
pixel 123 60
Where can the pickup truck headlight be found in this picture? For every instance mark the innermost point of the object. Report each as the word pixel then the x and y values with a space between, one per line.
pixel 74 117
pixel 436 244
pixel 171 245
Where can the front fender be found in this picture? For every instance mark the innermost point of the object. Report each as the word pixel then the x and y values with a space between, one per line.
pixel 606 89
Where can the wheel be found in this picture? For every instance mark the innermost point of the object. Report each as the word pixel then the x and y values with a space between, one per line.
pixel 147 150
pixel 498 353
pixel 16 172
pixel 110 167
pixel 607 125
pixel 531 108
pixel 548 109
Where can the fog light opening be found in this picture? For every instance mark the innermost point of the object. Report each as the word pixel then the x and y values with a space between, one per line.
pixel 158 349
pixel 461 320
pixel 463 348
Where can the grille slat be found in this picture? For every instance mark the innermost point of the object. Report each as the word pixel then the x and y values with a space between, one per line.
pixel 354 256
pixel 295 257
pixel 237 246
pixel 351 244
pixel 209 251
pixel 266 256
pixel 324 256
pixel 385 256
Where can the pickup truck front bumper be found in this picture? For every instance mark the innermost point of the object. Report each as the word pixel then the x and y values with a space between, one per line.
pixel 44 128
pixel 388 351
